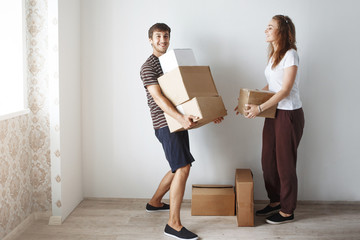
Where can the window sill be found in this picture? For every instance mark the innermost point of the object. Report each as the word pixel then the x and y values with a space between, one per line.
pixel 14 114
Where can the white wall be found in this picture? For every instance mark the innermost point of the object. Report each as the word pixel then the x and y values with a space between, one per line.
pixel 70 105
pixel 122 157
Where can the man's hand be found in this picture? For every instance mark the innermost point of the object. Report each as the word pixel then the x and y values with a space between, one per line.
pixel 188 121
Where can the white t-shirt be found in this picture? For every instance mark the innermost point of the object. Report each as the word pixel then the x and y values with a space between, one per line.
pixel 275 76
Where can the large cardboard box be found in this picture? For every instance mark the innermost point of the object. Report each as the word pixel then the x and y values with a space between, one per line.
pixel 177 57
pixel 206 108
pixel 185 83
pixel 212 200
pixel 257 97
pixel 244 189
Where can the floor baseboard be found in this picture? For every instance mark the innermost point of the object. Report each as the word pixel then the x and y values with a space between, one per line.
pixel 304 202
pixel 16 232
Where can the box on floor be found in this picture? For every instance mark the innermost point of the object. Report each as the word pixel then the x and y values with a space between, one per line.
pixel 212 200
pixel 244 189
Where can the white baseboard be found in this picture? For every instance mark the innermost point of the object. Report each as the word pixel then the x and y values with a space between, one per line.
pixel 55 220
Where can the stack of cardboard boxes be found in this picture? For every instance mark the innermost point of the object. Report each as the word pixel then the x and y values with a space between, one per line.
pixel 224 200
pixel 190 88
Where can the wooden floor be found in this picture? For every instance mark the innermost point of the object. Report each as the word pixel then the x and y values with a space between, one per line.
pixel 127 219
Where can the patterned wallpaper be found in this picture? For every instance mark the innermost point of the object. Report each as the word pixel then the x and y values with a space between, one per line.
pixel 15 173
pixel 38 90
pixel 25 183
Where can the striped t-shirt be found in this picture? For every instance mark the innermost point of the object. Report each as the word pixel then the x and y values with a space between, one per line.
pixel 149 73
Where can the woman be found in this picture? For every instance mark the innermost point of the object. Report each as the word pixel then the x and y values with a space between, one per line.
pixel 281 135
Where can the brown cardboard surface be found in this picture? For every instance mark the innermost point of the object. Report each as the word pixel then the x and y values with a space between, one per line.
pixel 213 200
pixel 257 97
pixel 206 108
pixel 244 189
pixel 186 82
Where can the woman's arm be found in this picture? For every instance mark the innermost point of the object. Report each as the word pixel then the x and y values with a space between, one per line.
pixel 288 82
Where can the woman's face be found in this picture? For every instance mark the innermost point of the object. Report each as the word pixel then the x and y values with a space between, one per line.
pixel 271 32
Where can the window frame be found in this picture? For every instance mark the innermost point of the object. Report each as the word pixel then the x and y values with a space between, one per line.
pixel 24 109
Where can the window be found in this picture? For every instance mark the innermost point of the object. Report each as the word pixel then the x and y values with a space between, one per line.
pixel 12 57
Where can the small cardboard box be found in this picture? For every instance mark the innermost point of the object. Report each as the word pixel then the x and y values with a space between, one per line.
pixel 257 97
pixel 185 83
pixel 177 57
pixel 244 188
pixel 206 108
pixel 212 200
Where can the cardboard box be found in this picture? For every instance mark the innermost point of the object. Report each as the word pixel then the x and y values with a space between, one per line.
pixel 244 189
pixel 212 200
pixel 257 97
pixel 175 58
pixel 206 108
pixel 185 83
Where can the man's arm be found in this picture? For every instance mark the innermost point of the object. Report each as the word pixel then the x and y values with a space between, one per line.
pixel 187 121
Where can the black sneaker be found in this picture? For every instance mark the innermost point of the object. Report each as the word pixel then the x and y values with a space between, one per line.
pixel 182 234
pixel 278 219
pixel 268 210
pixel 165 208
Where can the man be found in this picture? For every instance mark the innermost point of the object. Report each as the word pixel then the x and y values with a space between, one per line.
pixel 175 145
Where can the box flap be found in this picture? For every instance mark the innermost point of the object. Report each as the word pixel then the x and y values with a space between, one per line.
pixel 209 190
pixel 211 186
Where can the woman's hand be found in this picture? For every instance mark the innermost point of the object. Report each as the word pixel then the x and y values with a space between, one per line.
pixel 251 110
pixel 236 110
pixel 218 120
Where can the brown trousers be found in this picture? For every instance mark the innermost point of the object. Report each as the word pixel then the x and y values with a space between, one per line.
pixel 281 138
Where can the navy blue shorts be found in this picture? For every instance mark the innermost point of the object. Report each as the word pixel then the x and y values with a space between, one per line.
pixel 176 147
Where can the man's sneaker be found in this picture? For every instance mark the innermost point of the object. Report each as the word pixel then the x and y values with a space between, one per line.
pixel 165 207
pixel 278 219
pixel 268 210
pixel 182 234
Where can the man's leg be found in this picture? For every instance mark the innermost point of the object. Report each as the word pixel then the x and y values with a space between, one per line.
pixel 177 189
pixel 163 188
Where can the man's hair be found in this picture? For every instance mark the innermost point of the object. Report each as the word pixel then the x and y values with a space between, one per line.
pixel 162 27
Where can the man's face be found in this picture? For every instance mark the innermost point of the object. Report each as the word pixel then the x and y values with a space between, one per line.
pixel 160 42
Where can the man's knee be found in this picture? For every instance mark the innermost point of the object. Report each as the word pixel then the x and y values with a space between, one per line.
pixel 184 170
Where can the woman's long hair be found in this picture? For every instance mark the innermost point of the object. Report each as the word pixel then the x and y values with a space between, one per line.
pixel 286 39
